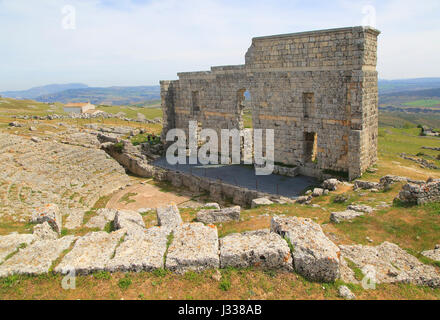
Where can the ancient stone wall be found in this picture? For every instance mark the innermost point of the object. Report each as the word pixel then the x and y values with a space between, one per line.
pixel 317 90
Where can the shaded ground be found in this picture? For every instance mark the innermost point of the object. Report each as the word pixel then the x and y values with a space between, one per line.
pixel 244 176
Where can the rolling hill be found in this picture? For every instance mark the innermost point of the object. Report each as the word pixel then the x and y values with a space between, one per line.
pixel 35 92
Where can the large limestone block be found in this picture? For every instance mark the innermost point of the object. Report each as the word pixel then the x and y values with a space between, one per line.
pixel 10 243
pixel 388 263
pixel 262 249
pixel 194 247
pixel 314 255
pixel 50 213
pixel 131 221
pixel 260 202
pixel 210 216
pixel 347 215
pixel 433 254
pixel 75 219
pixel 91 253
pixel 141 252
pixel 103 216
pixel 44 232
pixel 168 216
pixel 36 258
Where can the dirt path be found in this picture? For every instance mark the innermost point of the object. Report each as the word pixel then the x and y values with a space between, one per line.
pixel 143 196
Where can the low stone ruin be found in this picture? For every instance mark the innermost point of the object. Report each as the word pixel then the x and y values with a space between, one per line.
pixel 420 193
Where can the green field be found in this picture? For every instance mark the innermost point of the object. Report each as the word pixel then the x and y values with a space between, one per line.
pixel 428 103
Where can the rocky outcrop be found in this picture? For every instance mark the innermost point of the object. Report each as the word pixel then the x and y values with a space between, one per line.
pixel 260 202
pixel 11 242
pixel 387 263
pixel 314 255
pixel 433 254
pixel 49 213
pixel 211 216
pixel 331 184
pixel 44 232
pixel 130 221
pixel 347 215
pixel 261 249
pixel 420 193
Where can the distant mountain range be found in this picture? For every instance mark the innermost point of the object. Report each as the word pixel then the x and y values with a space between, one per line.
pixel 390 91
pixel 76 92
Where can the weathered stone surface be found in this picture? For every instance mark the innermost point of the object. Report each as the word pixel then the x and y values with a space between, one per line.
pixel 44 231
pixel 131 221
pixel 141 251
pixel 331 184
pixel 91 253
pixel 36 258
pixel 433 254
pixel 338 217
pixel 51 214
pixel 211 205
pixel 10 243
pixel 103 216
pixel 345 293
pixel 169 216
pixel 303 199
pixel 360 208
pixel 314 255
pixel 317 192
pixel 366 185
pixel 261 202
pixel 75 219
pixel 210 216
pixel 194 247
pixel 389 264
pixel 261 249
pixel 420 193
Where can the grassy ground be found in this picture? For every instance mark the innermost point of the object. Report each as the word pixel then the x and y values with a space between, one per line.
pixel 428 103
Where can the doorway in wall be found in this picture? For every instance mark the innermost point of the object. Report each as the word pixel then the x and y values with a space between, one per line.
pixel 310 146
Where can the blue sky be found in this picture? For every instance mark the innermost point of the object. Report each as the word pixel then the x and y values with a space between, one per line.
pixel 139 42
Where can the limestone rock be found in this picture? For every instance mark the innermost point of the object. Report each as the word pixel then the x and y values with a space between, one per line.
pixel 314 255
pixel 75 219
pixel 261 249
pixel 169 216
pixel 44 231
pixel 360 208
pixel 141 251
pixel 388 263
pixel 103 216
pixel 338 217
pixel 10 243
pixel 91 253
pixel 194 247
pixel 331 184
pixel 346 293
pixel 433 254
pixel 210 216
pixel 211 205
pixel 51 214
pixel 366 185
pixel 131 221
pixel 303 199
pixel 36 258
pixel 317 192
pixel 260 202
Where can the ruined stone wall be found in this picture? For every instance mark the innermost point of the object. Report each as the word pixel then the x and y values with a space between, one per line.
pixel 317 90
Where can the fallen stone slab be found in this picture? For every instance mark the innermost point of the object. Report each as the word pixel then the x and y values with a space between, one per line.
pixel 131 221
pixel 262 249
pixel 260 202
pixel 44 232
pixel 11 242
pixel 211 216
pixel 366 185
pixel 433 254
pixel 36 258
pixel 74 219
pixel 103 216
pixel 211 205
pixel 317 192
pixel 360 208
pixel 331 184
pixel 141 252
pixel 314 255
pixel 346 293
pixel 347 215
pixel 50 213
pixel 194 247
pixel 91 253
pixel 303 199
pixel 169 216
pixel 388 263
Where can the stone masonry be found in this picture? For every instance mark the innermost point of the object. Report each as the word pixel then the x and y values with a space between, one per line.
pixel 317 90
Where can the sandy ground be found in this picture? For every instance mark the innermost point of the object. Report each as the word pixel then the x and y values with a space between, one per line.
pixel 147 196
